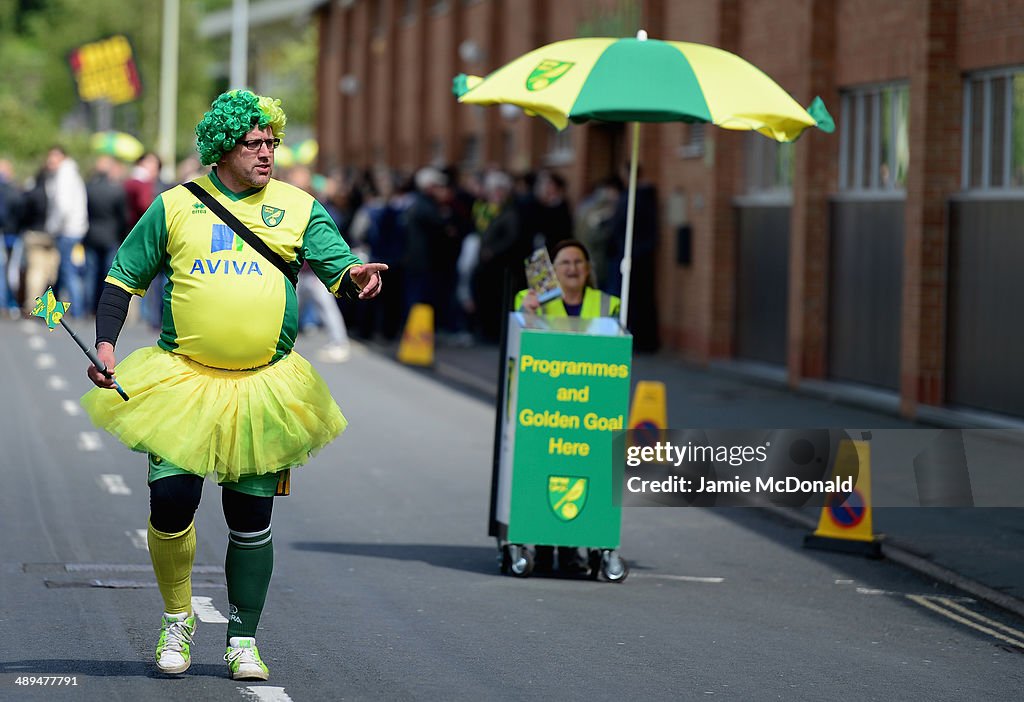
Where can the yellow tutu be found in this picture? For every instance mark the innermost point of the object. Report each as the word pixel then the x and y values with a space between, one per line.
pixel 207 420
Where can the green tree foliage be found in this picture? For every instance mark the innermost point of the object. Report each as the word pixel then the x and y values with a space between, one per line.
pixel 294 62
pixel 39 98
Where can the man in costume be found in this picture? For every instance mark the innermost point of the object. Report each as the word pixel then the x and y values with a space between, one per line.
pixel 223 393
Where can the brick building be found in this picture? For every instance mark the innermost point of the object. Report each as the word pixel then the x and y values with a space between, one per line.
pixel 882 259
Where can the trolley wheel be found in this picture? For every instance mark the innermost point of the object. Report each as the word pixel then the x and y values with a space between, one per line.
pixel 516 561
pixel 613 568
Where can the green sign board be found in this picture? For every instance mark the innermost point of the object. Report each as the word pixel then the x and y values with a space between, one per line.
pixel 569 396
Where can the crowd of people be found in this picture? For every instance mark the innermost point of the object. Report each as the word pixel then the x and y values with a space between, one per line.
pixel 458 242
pixel 62 229
pixel 455 241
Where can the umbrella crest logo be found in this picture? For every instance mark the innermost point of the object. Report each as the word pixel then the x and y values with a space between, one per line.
pixel 567 495
pixel 546 73
pixel 272 216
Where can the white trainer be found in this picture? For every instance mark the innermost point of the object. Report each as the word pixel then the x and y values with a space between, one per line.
pixel 334 353
pixel 174 648
pixel 244 659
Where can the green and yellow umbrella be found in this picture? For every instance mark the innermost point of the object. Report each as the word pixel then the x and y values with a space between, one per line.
pixel 306 151
pixel 284 156
pixel 643 80
pixel 117 144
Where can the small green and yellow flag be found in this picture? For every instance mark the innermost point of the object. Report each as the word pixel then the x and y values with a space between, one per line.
pixel 50 309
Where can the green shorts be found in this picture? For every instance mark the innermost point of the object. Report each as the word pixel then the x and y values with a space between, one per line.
pixel 267 485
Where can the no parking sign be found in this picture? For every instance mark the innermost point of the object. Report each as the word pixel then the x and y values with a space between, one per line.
pixel 847 511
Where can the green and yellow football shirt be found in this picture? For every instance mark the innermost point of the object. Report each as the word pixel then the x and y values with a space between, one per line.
pixel 226 306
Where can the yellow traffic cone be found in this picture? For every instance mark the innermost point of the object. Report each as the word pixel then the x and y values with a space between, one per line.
pixel 845 523
pixel 648 416
pixel 417 346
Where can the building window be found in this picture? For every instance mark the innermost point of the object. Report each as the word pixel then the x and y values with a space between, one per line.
pixel 692 145
pixel 769 165
pixel 408 10
pixel 993 157
pixel 560 151
pixel 437 157
pixel 377 18
pixel 508 147
pixel 874 146
pixel 471 152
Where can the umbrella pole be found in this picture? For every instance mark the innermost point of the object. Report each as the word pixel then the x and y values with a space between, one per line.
pixel 626 266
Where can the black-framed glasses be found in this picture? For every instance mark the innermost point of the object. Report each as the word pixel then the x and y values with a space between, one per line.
pixel 255 144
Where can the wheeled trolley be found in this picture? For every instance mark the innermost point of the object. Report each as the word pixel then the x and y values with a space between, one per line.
pixel 563 402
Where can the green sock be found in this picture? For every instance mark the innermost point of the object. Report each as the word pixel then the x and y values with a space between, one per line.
pixel 172 556
pixel 248 567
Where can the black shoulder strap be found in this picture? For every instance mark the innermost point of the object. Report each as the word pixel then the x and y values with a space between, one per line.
pixel 241 230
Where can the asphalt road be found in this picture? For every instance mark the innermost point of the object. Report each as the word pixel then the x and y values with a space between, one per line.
pixel 386 585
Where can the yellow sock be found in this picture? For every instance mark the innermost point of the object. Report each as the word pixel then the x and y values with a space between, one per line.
pixel 172 556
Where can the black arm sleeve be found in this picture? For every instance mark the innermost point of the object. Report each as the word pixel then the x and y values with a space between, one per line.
pixel 348 287
pixel 111 311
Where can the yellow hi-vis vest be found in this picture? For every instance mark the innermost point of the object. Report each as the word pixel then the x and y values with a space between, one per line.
pixel 595 304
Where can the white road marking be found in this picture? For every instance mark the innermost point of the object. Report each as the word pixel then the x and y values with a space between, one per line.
pixel 683 578
pixel 140 538
pixel 45 360
pixel 71 407
pixel 89 441
pixel 204 609
pixel 265 693
pixel 36 343
pixel 935 607
pixel 114 484
pixel 56 382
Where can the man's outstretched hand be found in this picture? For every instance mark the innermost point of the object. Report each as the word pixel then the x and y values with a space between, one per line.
pixel 367 277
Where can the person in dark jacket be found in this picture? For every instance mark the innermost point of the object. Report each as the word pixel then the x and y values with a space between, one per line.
pixel 10 240
pixel 554 218
pixel 425 230
pixel 41 256
pixel 643 310
pixel 502 252
pixel 108 208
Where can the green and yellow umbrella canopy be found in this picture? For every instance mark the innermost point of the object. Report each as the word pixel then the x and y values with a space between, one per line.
pixel 117 144
pixel 284 156
pixel 644 80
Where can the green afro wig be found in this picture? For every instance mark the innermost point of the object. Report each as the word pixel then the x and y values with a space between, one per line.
pixel 231 116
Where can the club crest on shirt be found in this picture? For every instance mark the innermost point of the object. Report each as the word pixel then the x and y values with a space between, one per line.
pixel 272 216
